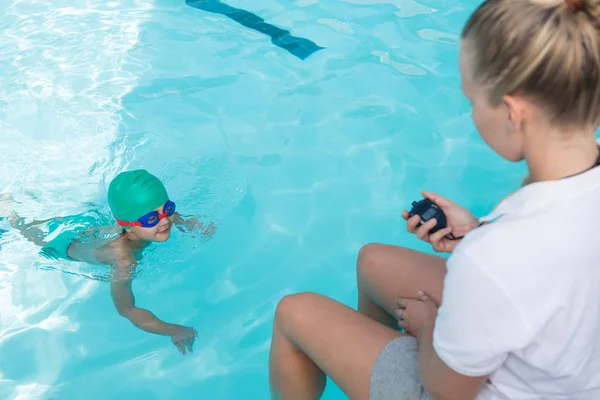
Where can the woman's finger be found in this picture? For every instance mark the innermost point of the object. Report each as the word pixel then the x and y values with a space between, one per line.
pixel 422 232
pixel 399 314
pixel 412 223
pixel 423 296
pixel 436 238
pixel 440 235
pixel 436 198
pixel 401 303
pixel 439 247
pixel 405 214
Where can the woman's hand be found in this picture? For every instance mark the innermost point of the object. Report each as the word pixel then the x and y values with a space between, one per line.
pixel 459 222
pixel 413 314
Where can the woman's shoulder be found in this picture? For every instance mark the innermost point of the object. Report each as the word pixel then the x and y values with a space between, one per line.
pixel 500 242
pixel 529 245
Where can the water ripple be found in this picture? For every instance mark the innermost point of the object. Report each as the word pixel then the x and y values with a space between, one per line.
pixel 65 67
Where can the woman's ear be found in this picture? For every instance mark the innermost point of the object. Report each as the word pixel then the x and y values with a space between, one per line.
pixel 510 125
pixel 516 110
pixel 518 113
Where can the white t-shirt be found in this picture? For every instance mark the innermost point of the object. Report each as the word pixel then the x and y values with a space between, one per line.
pixel 521 299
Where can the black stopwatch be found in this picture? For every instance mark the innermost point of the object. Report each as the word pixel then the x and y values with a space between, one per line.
pixel 426 210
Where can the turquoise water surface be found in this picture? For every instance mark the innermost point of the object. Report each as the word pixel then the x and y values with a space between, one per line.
pixel 300 160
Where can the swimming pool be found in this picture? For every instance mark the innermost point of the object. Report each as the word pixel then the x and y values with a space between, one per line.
pixel 300 161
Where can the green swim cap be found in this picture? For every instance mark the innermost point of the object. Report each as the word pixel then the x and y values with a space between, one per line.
pixel 133 194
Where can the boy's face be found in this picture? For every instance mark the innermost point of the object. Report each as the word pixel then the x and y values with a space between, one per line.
pixel 159 233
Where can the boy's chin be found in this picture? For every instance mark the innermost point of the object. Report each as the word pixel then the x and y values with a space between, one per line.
pixel 162 237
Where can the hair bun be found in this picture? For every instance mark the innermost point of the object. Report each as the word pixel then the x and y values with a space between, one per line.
pixel 590 7
pixel 575 5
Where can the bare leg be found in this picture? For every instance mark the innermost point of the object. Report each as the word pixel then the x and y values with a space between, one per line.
pixel 314 336
pixel 385 273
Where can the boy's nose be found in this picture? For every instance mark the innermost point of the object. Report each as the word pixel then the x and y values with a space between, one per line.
pixel 164 221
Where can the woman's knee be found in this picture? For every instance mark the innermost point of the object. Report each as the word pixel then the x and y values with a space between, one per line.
pixel 373 257
pixel 292 308
pixel 367 256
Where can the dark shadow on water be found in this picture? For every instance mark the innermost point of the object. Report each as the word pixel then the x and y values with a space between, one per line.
pixel 299 47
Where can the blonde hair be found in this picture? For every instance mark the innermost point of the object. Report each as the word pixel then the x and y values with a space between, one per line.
pixel 545 50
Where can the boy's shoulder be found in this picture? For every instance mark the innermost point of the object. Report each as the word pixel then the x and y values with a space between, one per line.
pixel 116 253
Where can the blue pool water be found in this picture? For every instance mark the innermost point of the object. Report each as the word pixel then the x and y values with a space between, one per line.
pixel 298 161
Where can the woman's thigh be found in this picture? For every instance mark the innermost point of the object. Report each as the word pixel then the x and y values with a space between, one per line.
pixel 343 343
pixel 386 272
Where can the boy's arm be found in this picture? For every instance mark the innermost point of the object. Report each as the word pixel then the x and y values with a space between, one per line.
pixel 124 301
pixel 122 294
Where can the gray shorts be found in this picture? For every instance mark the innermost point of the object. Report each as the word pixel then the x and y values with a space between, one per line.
pixel 395 375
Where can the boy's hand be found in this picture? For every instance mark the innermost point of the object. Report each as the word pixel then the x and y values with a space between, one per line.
pixel 186 225
pixel 184 339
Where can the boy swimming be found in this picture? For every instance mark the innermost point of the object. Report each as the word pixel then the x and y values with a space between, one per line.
pixel 144 213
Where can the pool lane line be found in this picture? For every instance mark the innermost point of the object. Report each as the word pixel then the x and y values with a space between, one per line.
pixel 299 47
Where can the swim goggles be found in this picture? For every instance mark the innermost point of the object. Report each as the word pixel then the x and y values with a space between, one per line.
pixel 152 218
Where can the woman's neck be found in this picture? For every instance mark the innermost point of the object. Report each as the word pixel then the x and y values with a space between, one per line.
pixel 556 155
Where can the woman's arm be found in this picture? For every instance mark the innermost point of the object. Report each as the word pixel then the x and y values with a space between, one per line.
pixel 440 381
pixel 418 317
